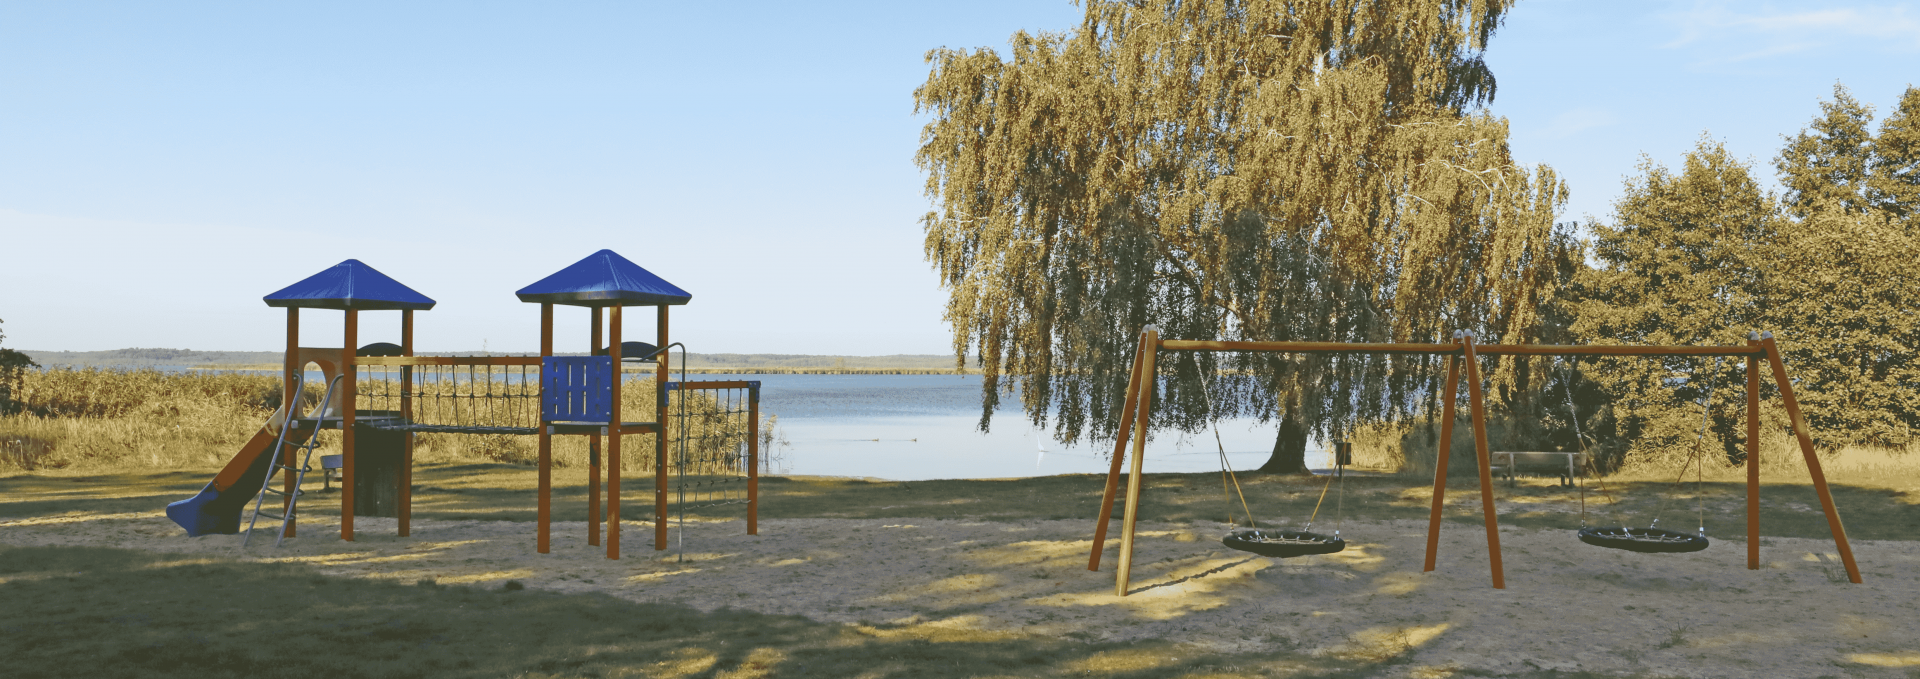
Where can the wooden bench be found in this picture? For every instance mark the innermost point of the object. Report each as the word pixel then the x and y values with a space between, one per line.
pixel 1565 465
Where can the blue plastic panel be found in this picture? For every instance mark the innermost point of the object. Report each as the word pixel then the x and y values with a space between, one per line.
pixel 576 389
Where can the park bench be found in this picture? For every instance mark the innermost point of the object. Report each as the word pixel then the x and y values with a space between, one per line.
pixel 1565 465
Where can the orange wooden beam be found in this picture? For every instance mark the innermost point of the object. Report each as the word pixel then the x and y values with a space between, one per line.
pixel 347 404
pixel 1120 437
pixel 1753 457
pixel 1134 480
pixel 406 412
pixel 1479 413
pixel 1805 436
pixel 594 345
pixel 1441 460
pixel 449 360
pixel 613 438
pixel 543 542
pixel 291 404
pixel 660 438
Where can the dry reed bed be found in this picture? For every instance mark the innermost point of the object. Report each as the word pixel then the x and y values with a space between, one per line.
pixel 98 420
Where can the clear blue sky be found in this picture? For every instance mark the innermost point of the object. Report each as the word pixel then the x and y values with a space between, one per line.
pixel 164 165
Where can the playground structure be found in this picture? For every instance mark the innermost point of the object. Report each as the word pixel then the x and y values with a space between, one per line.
pixel 713 447
pixel 1141 386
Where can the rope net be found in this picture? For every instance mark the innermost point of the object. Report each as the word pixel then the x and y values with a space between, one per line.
pixel 451 399
pixel 711 444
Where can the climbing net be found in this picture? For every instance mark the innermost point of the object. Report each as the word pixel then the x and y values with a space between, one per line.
pixel 465 397
pixel 713 440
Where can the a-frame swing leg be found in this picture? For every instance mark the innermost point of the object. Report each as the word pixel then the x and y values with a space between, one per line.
pixel 1440 461
pixel 1119 454
pixel 1753 459
pixel 1478 404
pixel 1134 482
pixel 1813 461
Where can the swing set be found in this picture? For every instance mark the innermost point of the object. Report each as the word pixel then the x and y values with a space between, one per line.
pixel 1462 355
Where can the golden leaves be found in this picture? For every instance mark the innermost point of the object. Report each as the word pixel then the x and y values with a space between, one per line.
pixel 1227 169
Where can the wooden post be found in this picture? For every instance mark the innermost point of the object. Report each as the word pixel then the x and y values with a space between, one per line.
pixel 291 405
pixel 1120 437
pixel 1753 457
pixel 594 347
pixel 1142 420
pixel 613 437
pixel 1479 413
pixel 1441 460
pixel 406 413
pixel 660 436
pixel 544 511
pixel 347 404
pixel 1801 432
pixel 753 461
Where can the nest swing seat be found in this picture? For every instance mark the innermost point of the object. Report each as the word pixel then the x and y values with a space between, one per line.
pixel 1283 543
pixel 1643 540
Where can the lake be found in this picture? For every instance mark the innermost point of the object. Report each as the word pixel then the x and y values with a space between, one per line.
pixel 915 427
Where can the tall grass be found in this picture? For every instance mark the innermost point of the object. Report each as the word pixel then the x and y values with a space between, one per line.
pixel 97 420
pixel 1410 449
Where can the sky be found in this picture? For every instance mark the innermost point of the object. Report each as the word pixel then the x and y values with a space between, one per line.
pixel 165 165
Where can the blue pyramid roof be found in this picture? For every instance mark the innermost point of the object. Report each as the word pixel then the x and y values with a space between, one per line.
pixel 349 285
pixel 604 278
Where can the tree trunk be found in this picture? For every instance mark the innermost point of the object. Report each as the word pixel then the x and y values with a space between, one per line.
pixel 1289 448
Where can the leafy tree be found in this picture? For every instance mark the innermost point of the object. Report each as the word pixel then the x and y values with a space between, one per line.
pixel 1681 264
pixel 1233 169
pixel 1705 256
pixel 1894 182
pixel 1841 291
pixel 11 364
pixel 1828 162
pixel 1843 295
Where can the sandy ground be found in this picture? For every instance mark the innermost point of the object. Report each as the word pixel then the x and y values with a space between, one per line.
pixel 1566 606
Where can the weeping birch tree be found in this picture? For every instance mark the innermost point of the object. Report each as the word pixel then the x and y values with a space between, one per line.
pixel 1232 170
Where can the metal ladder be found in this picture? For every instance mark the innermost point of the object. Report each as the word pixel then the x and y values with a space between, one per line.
pixel 282 456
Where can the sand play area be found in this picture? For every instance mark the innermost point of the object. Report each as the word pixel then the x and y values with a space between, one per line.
pixel 1567 607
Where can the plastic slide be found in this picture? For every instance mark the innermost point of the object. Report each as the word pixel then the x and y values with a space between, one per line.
pixel 218 507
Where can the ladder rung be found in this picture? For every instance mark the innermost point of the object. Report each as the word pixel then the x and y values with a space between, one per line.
pixel 282 493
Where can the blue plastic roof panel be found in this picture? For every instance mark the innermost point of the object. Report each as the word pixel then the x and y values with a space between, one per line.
pixel 349 285
pixel 603 279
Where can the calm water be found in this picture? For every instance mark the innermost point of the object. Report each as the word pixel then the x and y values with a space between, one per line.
pixel 915 427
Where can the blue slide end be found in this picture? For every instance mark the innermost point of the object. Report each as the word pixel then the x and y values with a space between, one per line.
pixel 201 514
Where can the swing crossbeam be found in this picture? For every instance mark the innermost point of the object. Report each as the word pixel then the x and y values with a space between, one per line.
pixel 1463 353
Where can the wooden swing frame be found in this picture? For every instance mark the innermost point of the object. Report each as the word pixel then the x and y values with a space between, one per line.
pixel 1135 419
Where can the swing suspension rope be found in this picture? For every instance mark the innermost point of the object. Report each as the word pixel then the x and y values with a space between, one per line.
pixel 1653 538
pixel 1228 477
pixel 1593 470
pixel 1696 459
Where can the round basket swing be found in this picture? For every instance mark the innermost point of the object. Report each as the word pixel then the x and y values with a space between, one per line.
pixel 1651 539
